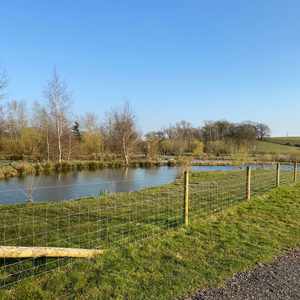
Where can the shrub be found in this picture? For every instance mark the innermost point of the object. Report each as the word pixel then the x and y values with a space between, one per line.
pixel 92 165
pixel 171 163
pixel 63 166
pixel 9 171
pixel 38 168
pixel 23 168
pixel 47 167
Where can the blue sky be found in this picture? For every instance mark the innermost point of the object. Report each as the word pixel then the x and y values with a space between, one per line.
pixel 173 60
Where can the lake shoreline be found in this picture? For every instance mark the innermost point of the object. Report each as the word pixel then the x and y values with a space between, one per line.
pixel 76 184
pixel 24 168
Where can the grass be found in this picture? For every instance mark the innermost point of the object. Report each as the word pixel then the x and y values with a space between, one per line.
pixel 111 219
pixel 287 147
pixel 270 147
pixel 205 254
pixel 289 141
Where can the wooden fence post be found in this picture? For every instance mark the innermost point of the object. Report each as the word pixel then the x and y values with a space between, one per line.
pixel 295 171
pixel 186 198
pixel 278 175
pixel 248 183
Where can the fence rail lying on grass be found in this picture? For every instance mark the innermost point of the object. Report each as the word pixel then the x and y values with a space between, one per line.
pixel 99 223
pixel 25 252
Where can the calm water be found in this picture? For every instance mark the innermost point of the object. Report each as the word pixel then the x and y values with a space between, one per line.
pixel 74 185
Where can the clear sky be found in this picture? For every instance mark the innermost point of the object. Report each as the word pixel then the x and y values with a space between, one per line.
pixel 181 59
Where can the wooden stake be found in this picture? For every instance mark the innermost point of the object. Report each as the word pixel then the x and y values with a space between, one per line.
pixel 295 171
pixel 278 175
pixel 186 198
pixel 26 252
pixel 248 183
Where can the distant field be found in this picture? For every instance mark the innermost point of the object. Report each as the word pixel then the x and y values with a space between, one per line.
pixel 289 141
pixel 270 147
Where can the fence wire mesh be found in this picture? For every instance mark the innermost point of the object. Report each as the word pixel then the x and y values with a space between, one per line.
pixel 263 180
pixel 110 220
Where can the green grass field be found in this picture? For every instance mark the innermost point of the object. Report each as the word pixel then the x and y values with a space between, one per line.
pixel 270 147
pixel 182 260
pixel 117 223
pixel 289 141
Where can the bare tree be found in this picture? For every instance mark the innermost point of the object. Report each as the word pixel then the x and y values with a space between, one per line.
pixel 120 132
pixel 15 124
pixel 16 117
pixel 3 83
pixel 90 122
pixel 92 142
pixel 58 99
pixel 41 121
pixel 262 131
pixel 180 138
pixel 152 144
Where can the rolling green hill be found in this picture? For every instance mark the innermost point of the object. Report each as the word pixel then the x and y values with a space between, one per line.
pixel 270 147
pixel 288 141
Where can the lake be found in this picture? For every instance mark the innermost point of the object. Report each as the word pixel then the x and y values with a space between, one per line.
pixel 73 185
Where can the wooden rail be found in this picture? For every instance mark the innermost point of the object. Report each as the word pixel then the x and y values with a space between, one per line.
pixel 26 252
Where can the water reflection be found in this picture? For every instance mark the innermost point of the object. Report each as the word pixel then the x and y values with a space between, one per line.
pixel 74 185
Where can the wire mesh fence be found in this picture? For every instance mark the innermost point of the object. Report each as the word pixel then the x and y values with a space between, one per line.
pixel 110 220
pixel 208 196
pixel 263 180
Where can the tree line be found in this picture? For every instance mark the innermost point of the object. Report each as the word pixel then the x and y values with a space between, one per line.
pixel 51 131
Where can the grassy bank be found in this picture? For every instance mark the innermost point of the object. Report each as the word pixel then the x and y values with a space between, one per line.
pixel 270 146
pixel 23 168
pixel 118 218
pixel 182 260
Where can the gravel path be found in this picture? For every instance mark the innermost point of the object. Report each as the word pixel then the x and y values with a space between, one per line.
pixel 278 280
